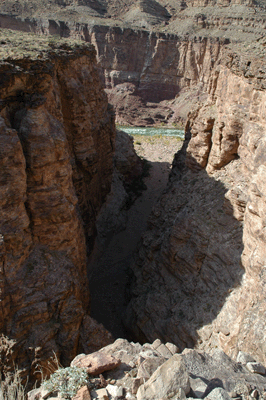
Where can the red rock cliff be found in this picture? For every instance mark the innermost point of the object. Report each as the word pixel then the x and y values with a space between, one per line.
pixel 57 141
pixel 200 272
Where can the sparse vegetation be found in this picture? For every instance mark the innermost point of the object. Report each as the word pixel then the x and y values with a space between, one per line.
pixel 11 387
pixel 67 381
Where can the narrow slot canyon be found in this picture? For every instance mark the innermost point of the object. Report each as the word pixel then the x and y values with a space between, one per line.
pixel 110 270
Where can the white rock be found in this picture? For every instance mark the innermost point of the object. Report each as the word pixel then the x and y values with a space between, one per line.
pixel 100 394
pixel 114 391
pixel 244 358
pixel 168 378
pixel 218 394
pixel 256 368
pixel 172 347
pixel 164 351
pixel 198 386
pixel 156 343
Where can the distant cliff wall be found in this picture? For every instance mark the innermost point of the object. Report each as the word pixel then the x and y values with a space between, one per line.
pixel 57 144
pixel 143 72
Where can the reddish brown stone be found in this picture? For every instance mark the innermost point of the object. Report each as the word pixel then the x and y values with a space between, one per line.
pixel 96 363
pixel 82 394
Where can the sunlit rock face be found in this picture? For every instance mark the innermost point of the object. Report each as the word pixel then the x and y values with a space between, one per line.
pixel 199 274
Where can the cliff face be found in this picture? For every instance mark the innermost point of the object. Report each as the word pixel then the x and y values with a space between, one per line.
pixel 154 57
pixel 141 70
pixel 57 142
pixel 199 276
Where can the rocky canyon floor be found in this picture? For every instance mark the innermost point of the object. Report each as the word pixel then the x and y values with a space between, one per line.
pixel 110 276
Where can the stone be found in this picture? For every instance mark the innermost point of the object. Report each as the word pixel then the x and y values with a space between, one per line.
pixel 137 382
pixel 256 368
pixel 156 344
pixel 168 378
pixel 100 394
pixel 164 351
pixel 149 366
pixel 96 363
pixel 114 391
pixel 218 394
pixel 198 385
pixel 180 395
pixel 82 394
pixel 172 347
pixel 213 384
pixel 244 358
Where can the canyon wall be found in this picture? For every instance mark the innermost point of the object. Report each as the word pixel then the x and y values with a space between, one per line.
pixel 155 58
pixel 200 270
pixel 57 145
pixel 144 72
pixel 150 78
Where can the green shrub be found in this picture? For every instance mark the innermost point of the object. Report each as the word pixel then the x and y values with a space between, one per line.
pixel 67 381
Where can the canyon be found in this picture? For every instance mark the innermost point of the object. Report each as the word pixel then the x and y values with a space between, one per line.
pixel 198 274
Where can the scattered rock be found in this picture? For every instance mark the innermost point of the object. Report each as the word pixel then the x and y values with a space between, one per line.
pixel 96 363
pixel 168 378
pixel 164 351
pixel 114 391
pixel 149 366
pixel 218 394
pixel 82 394
pixel 244 358
pixel 256 368
pixel 172 347
pixel 156 343
pixel 198 385
pixel 100 394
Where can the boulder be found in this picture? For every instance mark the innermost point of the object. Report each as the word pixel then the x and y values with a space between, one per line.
pixel 166 380
pixel 96 363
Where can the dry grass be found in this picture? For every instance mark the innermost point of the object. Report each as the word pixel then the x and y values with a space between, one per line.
pixel 11 388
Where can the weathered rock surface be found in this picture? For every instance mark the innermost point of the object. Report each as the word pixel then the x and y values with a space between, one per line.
pixel 200 270
pixel 57 142
pixel 96 363
pixel 155 57
pixel 175 378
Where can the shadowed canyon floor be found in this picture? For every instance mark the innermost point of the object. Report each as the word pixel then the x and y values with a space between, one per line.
pixel 110 276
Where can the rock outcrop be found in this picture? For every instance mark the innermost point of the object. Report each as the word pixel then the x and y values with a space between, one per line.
pixel 200 269
pixel 156 371
pixel 57 138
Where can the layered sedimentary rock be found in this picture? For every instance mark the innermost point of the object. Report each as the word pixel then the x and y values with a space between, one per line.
pixel 200 273
pixel 154 56
pixel 57 143
pixel 142 71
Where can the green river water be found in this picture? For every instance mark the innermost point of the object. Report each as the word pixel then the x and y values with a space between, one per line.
pixel 134 130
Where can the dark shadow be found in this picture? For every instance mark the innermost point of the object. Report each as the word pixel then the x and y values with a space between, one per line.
pixel 189 259
pixel 110 272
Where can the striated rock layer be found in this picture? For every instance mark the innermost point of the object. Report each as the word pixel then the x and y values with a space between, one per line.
pixel 155 57
pixel 200 270
pixel 56 142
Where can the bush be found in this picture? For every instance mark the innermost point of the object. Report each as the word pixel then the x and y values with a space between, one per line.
pixel 67 381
